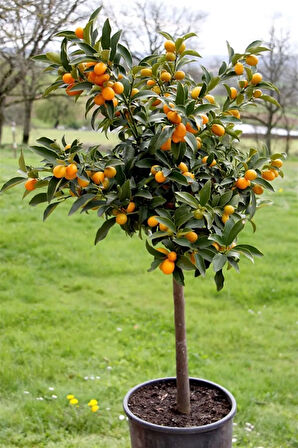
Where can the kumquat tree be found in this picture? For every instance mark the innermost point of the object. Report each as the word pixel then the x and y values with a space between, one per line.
pixel 177 175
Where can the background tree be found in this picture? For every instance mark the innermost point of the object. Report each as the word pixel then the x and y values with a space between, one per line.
pixel 279 67
pixel 26 30
pixel 142 20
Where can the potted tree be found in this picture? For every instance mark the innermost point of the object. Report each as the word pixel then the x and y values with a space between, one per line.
pixel 177 175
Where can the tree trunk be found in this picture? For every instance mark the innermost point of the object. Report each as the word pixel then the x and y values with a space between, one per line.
pixel 2 116
pixel 182 379
pixel 27 121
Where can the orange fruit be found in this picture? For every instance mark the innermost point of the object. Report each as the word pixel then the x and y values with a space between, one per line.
pixel 218 130
pixel 68 79
pixel 258 189
pixel 71 171
pixel 251 60
pixel 166 146
pixel 210 98
pixel 108 93
pixel 134 91
pixel 173 117
pixel 121 219
pixel 170 56
pixel 152 221
pixel 235 113
pixel 151 82
pixel 115 102
pixel 118 88
pixel 30 184
pixel 229 210
pixel 199 142
pixel 159 177
pixel 72 92
pixel 238 68
pixel 170 46
pixel 257 93
pixel 131 207
pixel 225 218
pixel 98 177
pixel 163 227
pixel 276 173
pixel 250 175
pixel 91 77
pixel 105 183
pixel 196 92
pixel 256 78
pixel 191 236
pixel 146 72
pixel 188 174
pixel 192 258
pixel 172 256
pixel 66 147
pixel 183 167
pixel 179 75
pixel 120 76
pixel 166 76
pixel 110 172
pixel 182 48
pixel 216 245
pixel 277 162
pixel 162 250
pixel 154 169
pixel 83 183
pixel 180 130
pixel 99 99
pixel 79 32
pixel 204 118
pixel 268 175
pixel 101 79
pixel 233 93
pixel 59 171
pixel 190 129
pixel 242 183
pixel 100 68
pixel 167 267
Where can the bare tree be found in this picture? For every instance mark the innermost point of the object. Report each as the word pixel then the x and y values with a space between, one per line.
pixel 278 67
pixel 27 27
pixel 141 21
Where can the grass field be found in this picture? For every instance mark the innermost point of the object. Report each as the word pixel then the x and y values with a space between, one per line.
pixel 72 312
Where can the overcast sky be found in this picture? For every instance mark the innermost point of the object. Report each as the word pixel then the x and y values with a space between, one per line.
pixel 242 21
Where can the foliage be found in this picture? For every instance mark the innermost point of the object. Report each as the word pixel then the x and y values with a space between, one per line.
pixel 177 160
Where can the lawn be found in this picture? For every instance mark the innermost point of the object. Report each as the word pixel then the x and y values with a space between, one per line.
pixel 91 321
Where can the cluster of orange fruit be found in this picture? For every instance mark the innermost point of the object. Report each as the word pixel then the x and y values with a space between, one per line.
pixel 167 266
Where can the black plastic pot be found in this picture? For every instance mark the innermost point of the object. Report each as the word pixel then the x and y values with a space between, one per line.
pixel 148 435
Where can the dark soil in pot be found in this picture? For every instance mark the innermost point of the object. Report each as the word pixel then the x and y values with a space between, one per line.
pixel 156 403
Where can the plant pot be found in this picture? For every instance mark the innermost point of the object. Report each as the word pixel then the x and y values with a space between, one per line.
pixel 144 434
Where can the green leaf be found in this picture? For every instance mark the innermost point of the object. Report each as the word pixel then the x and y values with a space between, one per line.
pixel 205 193
pixel 178 276
pixel 225 198
pixel 233 232
pixel 104 230
pixel 154 252
pixel 80 202
pixel 22 164
pixel 182 215
pixel 270 99
pixel 52 87
pixel 191 141
pixel 167 222
pixel 187 198
pixel 106 35
pixel 213 83
pixel 219 280
pixel 204 108
pixel 53 57
pixel 253 44
pixel 114 42
pixel 191 53
pixel 164 136
pixel 180 96
pixel 184 262
pixel 143 194
pixel 219 261
pixel 125 192
pixel 82 86
pixel 50 208
pixel 264 183
pixel 52 187
pixel 125 54
pixel 63 55
pixel 12 182
pixel 200 264
pixel 253 250
pixel 144 94
pixel 38 199
pixel 95 14
pixel 166 35
pixel 178 177
pixel 46 153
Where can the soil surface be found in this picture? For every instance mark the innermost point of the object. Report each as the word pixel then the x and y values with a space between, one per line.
pixel 156 403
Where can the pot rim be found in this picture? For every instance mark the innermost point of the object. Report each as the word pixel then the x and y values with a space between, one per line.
pixel 185 429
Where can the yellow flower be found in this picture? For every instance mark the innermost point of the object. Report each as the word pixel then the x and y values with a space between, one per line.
pixel 70 397
pixel 94 408
pixel 73 401
pixel 92 403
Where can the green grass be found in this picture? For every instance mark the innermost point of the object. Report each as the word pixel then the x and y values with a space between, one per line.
pixel 86 137
pixel 71 310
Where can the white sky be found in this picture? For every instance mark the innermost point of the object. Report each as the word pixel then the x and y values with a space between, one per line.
pixel 242 21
